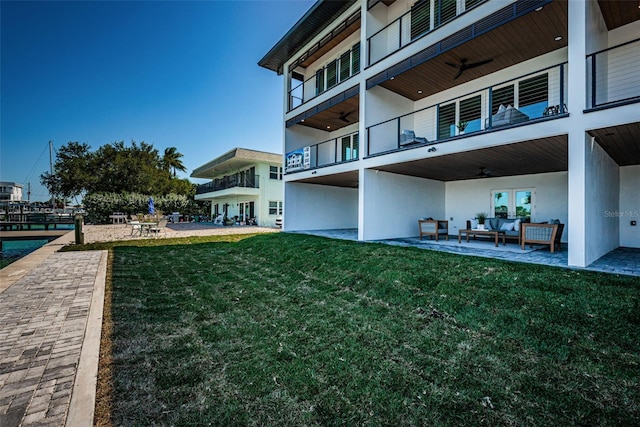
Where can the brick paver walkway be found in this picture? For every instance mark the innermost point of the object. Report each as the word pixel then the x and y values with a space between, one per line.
pixel 43 317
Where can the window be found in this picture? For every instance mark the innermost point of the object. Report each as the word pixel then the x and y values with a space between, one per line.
pixel 275 172
pixel 420 18
pixel 332 74
pixel 470 113
pixel 512 203
pixel 445 11
pixel 355 59
pixel 533 94
pixel 338 70
pixel 320 81
pixel 275 207
pixel 349 147
pixel 345 66
pixel 446 120
pixel 502 96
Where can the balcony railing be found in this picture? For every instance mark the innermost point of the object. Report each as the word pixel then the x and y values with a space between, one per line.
pixel 342 149
pixel 337 71
pixel 229 181
pixel 613 74
pixel 424 17
pixel 535 96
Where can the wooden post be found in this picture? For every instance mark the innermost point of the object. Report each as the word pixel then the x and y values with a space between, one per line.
pixel 79 228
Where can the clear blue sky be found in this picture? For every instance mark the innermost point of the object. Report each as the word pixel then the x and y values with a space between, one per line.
pixel 178 73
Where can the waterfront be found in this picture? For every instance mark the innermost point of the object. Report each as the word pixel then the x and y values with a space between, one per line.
pixel 14 250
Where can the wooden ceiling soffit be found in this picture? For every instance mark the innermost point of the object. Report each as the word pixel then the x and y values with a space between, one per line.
pixel 372 3
pixel 329 41
pixel 617 13
pixel 331 102
pixel 620 143
pixel 483 26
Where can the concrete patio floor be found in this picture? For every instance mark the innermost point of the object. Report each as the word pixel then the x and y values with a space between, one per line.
pixel 624 261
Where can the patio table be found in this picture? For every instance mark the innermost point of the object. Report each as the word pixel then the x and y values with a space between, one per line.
pixel 474 233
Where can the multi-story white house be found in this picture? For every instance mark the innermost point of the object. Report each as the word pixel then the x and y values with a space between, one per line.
pixel 397 110
pixel 244 183
pixel 10 191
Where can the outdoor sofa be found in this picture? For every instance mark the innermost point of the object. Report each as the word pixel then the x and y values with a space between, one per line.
pixel 408 137
pixel 508 115
pixel 510 226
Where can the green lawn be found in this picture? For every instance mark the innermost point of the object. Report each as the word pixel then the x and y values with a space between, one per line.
pixel 292 330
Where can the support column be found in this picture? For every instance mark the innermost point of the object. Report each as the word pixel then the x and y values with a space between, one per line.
pixel 577 174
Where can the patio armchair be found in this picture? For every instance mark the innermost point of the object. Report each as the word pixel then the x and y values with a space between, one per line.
pixel 433 227
pixel 159 228
pixel 408 137
pixel 542 234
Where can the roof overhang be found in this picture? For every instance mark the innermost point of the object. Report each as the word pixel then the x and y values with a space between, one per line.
pixel 233 160
pixel 320 16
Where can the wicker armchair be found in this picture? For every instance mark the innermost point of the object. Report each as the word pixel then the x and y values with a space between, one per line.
pixel 545 234
pixel 433 227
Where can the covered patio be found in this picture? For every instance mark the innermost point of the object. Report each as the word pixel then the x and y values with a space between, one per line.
pixel 622 260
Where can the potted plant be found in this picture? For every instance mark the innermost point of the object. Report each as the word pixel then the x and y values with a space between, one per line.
pixel 481 217
pixel 461 127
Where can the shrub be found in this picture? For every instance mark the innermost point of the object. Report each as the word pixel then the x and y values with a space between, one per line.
pixel 100 205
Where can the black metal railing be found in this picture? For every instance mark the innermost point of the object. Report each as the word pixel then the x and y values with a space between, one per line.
pixel 613 75
pixel 345 148
pixel 423 18
pixel 229 181
pixel 531 97
pixel 345 66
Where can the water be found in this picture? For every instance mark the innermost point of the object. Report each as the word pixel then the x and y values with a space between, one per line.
pixel 16 249
pixel 13 250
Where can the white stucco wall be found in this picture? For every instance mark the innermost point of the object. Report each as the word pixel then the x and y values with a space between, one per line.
pixel 466 198
pixel 602 196
pixel 629 209
pixel 319 207
pixel 394 203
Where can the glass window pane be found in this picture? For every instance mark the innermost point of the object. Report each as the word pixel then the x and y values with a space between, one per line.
pixel 332 74
pixel 420 18
pixel 501 204
pixel 501 96
pixel 319 81
pixel 355 58
pixel 470 113
pixel 345 66
pixel 523 204
pixel 533 96
pixel 445 11
pixel 446 121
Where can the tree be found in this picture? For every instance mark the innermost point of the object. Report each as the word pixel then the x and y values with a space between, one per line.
pixel 115 168
pixel 72 171
pixel 171 160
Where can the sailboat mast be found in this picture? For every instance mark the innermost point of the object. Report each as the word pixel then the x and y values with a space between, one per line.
pixel 53 200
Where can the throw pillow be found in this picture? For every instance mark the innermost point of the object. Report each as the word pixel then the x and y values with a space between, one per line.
pixel 494 223
pixel 516 225
pixel 474 224
pixel 507 226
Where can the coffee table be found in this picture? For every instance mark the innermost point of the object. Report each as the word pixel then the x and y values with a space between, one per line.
pixel 474 233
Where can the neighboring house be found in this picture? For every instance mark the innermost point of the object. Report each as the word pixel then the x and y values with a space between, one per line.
pixel 244 183
pixel 10 191
pixel 446 108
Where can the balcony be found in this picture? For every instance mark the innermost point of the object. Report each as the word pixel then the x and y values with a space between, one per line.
pixel 613 76
pixel 337 71
pixel 530 98
pixel 241 180
pixel 338 150
pixel 424 17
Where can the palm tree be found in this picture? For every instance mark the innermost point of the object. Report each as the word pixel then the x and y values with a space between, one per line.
pixel 171 160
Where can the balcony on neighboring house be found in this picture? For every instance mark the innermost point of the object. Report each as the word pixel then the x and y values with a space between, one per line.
pixel 345 148
pixel 341 69
pixel 424 17
pixel 613 76
pixel 237 180
pixel 528 99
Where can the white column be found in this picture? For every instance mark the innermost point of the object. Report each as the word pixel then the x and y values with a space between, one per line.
pixel 577 84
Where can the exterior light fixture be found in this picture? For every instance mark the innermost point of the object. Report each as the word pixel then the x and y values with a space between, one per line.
pixel 328 127
pixel 538 9
pixel 392 78
pixel 419 91
pixel 558 38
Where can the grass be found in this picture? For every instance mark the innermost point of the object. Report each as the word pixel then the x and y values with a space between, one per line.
pixel 285 329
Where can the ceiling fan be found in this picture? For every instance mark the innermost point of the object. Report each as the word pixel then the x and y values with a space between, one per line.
pixel 484 172
pixel 344 116
pixel 463 65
